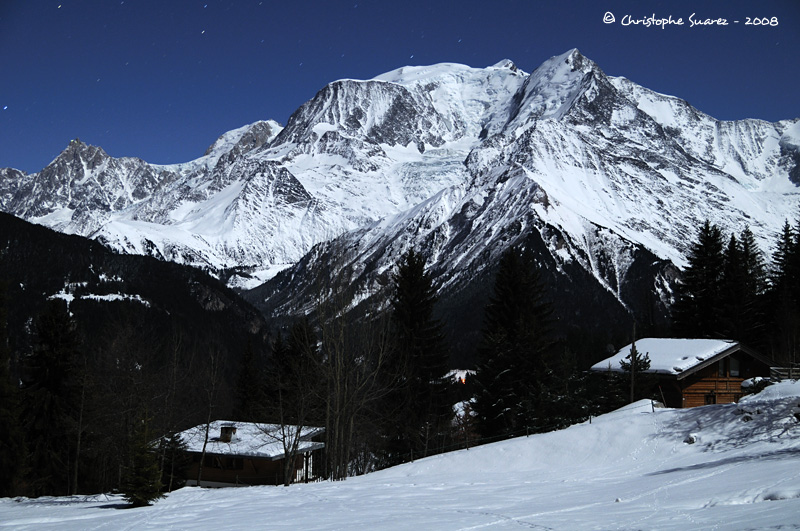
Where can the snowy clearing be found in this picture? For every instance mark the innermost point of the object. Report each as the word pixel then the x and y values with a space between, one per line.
pixel 732 466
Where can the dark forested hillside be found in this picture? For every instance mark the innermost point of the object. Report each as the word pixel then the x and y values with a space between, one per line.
pixel 40 264
pixel 588 316
pixel 134 338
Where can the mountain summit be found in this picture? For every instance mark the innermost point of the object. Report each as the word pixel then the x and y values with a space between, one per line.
pixel 607 179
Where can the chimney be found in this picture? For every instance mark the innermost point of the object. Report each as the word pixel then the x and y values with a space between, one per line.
pixel 227 432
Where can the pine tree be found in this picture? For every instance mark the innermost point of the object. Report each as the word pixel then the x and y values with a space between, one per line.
pixel 293 377
pixel 607 390
pixel 294 389
pixel 565 391
pixel 696 312
pixel 784 257
pixel 422 409
pixel 792 276
pixel 754 265
pixel 783 297
pixel 175 463
pixel 510 379
pixel 750 291
pixel 49 400
pixel 732 291
pixel 12 445
pixel 634 366
pixel 142 482
pixel 249 388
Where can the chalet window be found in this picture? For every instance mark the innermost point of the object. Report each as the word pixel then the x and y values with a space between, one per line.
pixel 722 368
pixel 234 463
pixel 212 461
pixel 734 366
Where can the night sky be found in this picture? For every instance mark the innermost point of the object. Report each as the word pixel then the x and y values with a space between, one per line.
pixel 162 79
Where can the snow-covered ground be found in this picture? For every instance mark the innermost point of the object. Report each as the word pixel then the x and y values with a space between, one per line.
pixel 729 466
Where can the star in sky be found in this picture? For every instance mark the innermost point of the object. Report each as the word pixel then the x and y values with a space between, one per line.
pixel 729 73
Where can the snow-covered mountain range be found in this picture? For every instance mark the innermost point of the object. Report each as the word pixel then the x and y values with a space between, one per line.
pixel 457 161
pixel 607 181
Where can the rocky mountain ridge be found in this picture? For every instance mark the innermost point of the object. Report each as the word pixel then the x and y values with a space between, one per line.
pixel 458 161
pixel 595 176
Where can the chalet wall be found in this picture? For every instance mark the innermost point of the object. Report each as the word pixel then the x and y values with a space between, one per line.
pixel 707 387
pixel 721 382
pixel 241 470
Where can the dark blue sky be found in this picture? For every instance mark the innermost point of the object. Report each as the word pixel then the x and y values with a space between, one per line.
pixel 161 79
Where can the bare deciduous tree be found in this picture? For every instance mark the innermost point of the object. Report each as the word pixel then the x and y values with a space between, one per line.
pixel 212 378
pixel 294 391
pixel 353 354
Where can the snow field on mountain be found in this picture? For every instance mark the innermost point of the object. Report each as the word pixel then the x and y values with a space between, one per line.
pixel 792 134
pixel 732 466
pixel 564 150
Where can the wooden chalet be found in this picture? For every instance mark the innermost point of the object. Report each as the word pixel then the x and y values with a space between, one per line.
pixel 695 372
pixel 249 453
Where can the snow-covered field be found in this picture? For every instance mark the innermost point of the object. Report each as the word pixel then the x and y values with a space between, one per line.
pixel 631 469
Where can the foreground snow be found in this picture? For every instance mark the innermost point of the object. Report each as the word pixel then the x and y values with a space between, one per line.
pixel 631 469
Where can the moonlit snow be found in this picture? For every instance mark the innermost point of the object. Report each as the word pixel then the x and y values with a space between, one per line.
pixel 445 158
pixel 732 466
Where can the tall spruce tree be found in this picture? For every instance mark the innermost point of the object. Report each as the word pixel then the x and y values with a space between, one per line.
pixel 12 445
pixel 293 377
pixel 249 390
pixel 175 462
pixel 732 291
pixel 743 287
pixel 696 312
pixel 783 297
pixel 783 259
pixel 787 266
pixel 419 404
pixel 754 264
pixel 516 340
pixel 634 366
pixel 294 390
pixel 49 400
pixel 142 482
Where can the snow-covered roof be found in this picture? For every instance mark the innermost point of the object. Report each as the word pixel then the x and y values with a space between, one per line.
pixel 252 439
pixel 669 355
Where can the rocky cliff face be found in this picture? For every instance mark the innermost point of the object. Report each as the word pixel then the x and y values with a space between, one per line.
pixel 605 178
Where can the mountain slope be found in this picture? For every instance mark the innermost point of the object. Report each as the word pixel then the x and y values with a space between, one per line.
pixel 592 173
pixel 140 304
pixel 606 179
pixel 262 196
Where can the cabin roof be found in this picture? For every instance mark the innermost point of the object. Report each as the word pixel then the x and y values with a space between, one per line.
pixel 252 439
pixel 677 357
